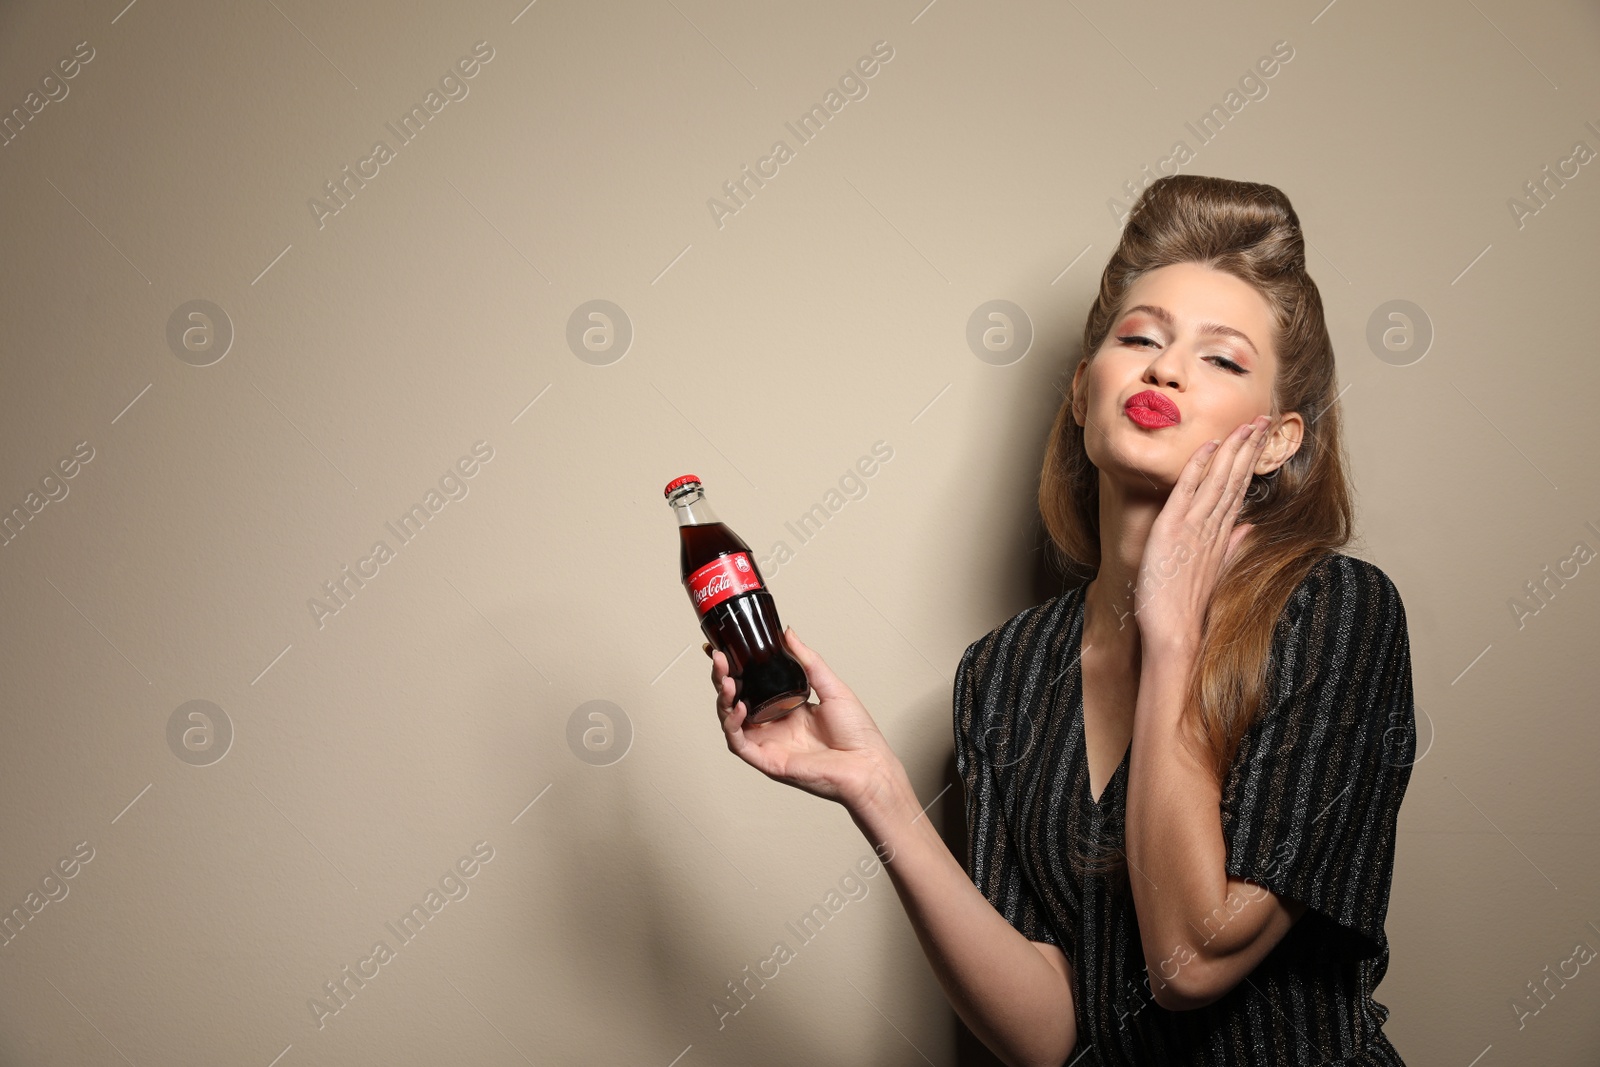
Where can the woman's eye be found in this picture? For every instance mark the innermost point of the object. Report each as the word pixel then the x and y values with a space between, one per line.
pixel 1222 361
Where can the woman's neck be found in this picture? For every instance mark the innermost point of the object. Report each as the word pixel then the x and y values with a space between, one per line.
pixel 1110 620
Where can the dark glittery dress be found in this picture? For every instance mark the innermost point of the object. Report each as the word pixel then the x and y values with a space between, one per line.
pixel 1309 808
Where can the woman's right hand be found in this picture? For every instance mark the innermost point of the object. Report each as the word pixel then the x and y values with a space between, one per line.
pixel 831 749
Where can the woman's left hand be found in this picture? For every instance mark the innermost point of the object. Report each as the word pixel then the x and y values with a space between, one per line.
pixel 1193 538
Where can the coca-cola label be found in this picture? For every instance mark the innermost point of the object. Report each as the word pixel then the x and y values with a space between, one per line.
pixel 724 577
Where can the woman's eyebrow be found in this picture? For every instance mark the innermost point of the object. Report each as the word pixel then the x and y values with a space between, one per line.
pixel 1218 328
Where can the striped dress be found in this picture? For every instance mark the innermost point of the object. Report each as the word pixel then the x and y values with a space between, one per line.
pixel 1309 808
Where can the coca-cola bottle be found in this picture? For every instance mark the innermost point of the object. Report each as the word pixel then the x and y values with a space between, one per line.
pixel 737 612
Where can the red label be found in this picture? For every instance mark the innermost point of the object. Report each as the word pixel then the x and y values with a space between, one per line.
pixel 724 577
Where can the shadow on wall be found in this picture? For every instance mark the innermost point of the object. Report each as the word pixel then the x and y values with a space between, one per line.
pixel 625 926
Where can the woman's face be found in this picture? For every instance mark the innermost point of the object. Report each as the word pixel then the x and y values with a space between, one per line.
pixel 1200 340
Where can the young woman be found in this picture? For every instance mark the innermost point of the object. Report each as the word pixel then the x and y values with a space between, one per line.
pixel 1183 774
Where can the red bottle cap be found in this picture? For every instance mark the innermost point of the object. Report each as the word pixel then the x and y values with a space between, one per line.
pixel 682 480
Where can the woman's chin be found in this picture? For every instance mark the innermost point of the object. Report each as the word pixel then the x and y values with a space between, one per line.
pixel 1135 480
pixel 1143 463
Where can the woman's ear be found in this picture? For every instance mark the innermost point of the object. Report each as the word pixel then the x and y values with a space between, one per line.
pixel 1284 442
pixel 1080 400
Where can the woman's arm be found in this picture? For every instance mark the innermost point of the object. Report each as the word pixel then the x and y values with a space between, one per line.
pixel 1014 994
pixel 1202 930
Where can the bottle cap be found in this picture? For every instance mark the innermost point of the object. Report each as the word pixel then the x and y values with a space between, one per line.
pixel 679 481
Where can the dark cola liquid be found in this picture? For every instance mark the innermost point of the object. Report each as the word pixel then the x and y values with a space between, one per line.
pixel 745 628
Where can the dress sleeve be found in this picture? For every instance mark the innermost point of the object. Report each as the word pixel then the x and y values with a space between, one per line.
pixel 1312 798
pixel 982 728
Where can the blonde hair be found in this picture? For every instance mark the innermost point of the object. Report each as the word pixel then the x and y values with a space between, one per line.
pixel 1300 511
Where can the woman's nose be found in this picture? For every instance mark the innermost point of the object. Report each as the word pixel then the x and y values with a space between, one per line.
pixel 1165 369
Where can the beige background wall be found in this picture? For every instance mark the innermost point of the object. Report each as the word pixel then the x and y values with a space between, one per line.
pixel 364 753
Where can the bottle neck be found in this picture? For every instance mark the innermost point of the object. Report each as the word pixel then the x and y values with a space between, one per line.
pixel 689 504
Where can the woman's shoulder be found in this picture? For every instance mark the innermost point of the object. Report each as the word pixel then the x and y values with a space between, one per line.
pixel 1023 634
pixel 1346 584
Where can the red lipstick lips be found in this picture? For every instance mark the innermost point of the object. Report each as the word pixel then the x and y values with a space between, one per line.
pixel 1152 410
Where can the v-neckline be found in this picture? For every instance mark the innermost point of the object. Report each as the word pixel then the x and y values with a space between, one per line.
pixel 1083 718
